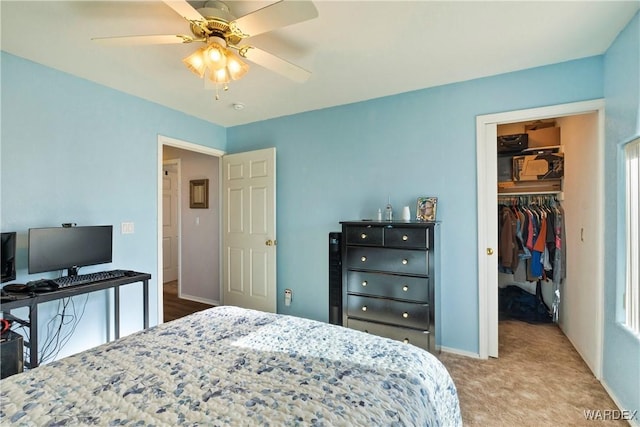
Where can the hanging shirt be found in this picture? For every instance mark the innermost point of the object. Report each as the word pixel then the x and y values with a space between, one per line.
pixel 508 247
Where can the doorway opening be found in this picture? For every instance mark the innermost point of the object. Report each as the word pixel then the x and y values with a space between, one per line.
pixel 581 319
pixel 196 243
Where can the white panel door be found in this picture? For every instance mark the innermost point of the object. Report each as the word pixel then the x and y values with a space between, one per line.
pixel 170 224
pixel 249 230
pixel 581 292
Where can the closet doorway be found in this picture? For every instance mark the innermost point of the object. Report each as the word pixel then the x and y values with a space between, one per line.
pixel 581 305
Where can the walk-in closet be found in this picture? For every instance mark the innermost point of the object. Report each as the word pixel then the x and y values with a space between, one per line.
pixel 550 227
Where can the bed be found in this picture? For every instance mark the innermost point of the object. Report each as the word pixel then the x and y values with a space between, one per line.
pixel 233 366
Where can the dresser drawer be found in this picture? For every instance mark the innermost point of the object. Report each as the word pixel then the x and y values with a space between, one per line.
pixel 406 314
pixel 364 235
pixel 403 261
pixel 408 336
pixel 388 285
pixel 404 237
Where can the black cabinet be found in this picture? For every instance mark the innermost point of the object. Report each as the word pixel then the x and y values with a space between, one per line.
pixel 390 280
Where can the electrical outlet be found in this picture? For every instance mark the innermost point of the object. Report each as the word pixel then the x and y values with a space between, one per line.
pixel 288 294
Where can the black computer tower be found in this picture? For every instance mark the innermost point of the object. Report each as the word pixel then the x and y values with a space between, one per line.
pixel 11 354
pixel 335 278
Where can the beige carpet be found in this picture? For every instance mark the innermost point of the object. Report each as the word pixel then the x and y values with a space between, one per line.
pixel 538 380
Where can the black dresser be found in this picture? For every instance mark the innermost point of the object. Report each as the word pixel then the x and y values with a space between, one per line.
pixel 390 280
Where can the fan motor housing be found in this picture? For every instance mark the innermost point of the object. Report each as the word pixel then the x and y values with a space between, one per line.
pixel 217 16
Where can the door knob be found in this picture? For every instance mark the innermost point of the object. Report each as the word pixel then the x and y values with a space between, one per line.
pixel 270 242
pixel 489 251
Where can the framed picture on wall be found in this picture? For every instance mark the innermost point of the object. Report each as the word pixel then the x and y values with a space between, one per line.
pixel 426 209
pixel 199 194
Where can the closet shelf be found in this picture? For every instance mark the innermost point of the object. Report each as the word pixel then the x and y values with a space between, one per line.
pixel 554 148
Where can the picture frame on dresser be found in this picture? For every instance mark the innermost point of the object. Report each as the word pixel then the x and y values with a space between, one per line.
pixel 426 208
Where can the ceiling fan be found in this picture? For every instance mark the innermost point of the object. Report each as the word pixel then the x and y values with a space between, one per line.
pixel 221 32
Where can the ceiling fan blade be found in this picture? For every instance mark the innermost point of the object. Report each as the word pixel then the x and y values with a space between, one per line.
pixel 274 16
pixel 184 9
pixel 275 64
pixel 143 40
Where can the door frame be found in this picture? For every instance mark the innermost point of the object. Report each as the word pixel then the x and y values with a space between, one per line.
pixel 184 145
pixel 486 148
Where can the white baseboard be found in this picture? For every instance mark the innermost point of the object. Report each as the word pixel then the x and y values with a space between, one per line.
pixel 634 422
pixel 198 299
pixel 460 352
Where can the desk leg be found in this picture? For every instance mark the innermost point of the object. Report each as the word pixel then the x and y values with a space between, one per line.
pixel 145 303
pixel 33 336
pixel 116 311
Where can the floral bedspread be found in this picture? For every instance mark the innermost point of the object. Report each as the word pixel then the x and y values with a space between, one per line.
pixel 231 366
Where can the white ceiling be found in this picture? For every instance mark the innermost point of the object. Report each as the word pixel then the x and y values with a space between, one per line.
pixel 357 50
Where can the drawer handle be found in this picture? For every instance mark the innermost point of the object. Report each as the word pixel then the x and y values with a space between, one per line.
pixel 364 283
pixel 363 259
pixel 405 314
pixel 406 340
pixel 405 288
pixel 405 261
pixel 364 308
pixel 363 236
pixel 405 237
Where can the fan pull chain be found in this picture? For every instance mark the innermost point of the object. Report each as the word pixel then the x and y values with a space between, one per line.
pixel 225 88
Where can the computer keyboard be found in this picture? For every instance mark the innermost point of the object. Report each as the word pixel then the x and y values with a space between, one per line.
pixel 83 279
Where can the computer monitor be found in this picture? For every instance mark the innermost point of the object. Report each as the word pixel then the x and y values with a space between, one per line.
pixel 8 256
pixel 59 248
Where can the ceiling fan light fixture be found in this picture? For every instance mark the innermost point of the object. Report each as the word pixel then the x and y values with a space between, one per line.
pixel 196 63
pixel 237 69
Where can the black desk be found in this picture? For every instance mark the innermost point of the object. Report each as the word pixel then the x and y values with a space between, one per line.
pixel 35 299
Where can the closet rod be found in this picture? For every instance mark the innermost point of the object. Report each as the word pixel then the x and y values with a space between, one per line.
pixel 558 194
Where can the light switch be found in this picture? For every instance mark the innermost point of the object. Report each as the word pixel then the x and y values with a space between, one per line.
pixel 127 228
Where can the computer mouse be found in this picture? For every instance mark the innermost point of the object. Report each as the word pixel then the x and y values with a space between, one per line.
pixel 41 285
pixel 45 287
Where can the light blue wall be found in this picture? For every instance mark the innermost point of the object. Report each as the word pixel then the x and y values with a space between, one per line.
pixel 621 359
pixel 75 151
pixel 342 163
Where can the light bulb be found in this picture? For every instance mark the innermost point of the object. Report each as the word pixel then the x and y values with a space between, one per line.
pixel 216 56
pixel 219 76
